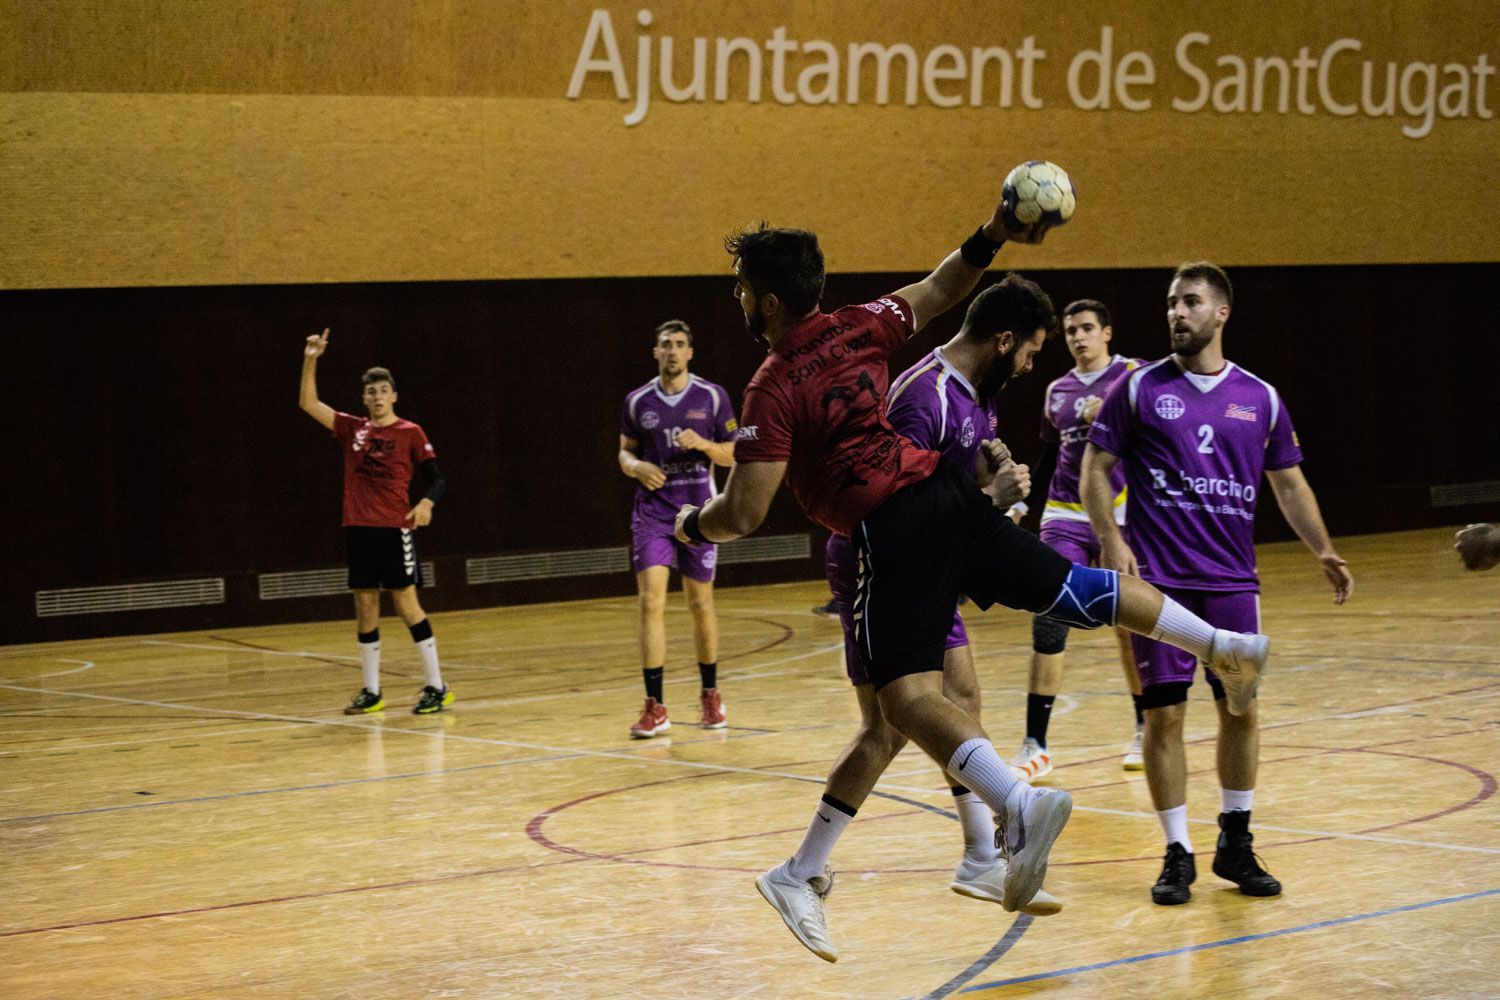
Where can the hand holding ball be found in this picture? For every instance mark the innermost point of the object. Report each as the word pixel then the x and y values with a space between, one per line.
pixel 1037 196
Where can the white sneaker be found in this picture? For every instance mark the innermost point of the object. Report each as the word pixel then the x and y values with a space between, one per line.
pixel 800 903
pixel 1135 756
pixel 1026 838
pixel 1031 762
pixel 986 880
pixel 1239 658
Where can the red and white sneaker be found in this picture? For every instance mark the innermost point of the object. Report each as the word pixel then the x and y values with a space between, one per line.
pixel 653 721
pixel 713 709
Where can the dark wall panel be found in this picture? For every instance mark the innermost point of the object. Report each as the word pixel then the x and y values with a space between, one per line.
pixel 155 433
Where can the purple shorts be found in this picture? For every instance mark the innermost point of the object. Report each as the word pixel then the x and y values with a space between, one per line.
pixel 841 564
pixel 1159 663
pixel 655 545
pixel 1073 540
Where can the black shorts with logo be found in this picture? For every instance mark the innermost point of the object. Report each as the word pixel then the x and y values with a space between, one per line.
pixel 382 558
pixel 924 546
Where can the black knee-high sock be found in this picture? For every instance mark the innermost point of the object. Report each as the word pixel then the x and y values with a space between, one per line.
pixel 1038 714
pixel 1140 710
pixel 654 677
pixel 709 673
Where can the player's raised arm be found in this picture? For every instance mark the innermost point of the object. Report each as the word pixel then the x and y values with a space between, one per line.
pixel 1300 508
pixel 960 271
pixel 737 511
pixel 308 400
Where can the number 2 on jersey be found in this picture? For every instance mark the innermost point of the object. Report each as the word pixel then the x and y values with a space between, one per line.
pixel 1205 439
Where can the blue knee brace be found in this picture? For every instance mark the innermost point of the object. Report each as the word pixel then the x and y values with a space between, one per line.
pixel 1090 598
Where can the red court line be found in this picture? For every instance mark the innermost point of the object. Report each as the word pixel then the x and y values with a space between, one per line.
pixel 408 883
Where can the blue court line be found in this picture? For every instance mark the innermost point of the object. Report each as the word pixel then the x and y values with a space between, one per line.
pixel 1231 941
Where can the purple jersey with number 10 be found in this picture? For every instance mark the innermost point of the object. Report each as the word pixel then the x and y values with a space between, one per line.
pixel 654 419
pixel 1194 449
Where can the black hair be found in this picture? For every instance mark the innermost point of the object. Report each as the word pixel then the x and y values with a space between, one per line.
pixel 674 326
pixel 1209 274
pixel 786 263
pixel 1016 304
pixel 1099 309
pixel 378 375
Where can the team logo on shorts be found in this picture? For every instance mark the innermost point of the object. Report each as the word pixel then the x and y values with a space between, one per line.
pixel 966 432
pixel 650 419
pixel 1169 407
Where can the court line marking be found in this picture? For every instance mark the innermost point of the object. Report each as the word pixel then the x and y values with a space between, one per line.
pixel 1226 942
pixel 87 665
pixel 634 758
pixel 989 958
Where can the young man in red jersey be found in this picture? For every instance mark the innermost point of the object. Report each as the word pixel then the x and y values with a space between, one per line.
pixel 382 455
pixel 814 415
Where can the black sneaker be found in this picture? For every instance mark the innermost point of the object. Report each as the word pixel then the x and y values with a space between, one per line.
pixel 1235 860
pixel 1178 871
pixel 432 700
pixel 365 702
pixel 829 610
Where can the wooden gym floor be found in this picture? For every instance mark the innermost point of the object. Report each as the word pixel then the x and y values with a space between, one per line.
pixel 190 815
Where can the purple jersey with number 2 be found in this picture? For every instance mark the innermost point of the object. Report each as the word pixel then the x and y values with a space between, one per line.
pixel 1194 449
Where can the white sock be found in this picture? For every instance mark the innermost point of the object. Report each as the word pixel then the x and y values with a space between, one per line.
pixel 978 824
pixel 1183 629
pixel 369 661
pixel 1174 825
pixel 977 766
pixel 1235 801
pixel 428 649
pixel 817 844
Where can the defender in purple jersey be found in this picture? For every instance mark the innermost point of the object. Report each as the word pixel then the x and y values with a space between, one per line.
pixel 673 430
pixel 944 403
pixel 1068 408
pixel 1194 434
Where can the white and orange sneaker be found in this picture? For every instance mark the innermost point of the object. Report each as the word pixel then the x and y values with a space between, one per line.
pixel 713 709
pixel 1031 762
pixel 653 721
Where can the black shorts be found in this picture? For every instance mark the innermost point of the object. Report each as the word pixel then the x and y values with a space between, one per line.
pixel 925 545
pixel 382 558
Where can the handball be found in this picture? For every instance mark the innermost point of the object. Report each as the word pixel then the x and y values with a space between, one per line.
pixel 1039 193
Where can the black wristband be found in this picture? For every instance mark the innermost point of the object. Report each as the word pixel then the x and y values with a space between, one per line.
pixel 691 529
pixel 979 250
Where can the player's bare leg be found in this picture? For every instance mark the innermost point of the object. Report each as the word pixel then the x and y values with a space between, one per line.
pixel 1166 757
pixel 1135 759
pixel 1044 680
pixel 1238 760
pixel 651 586
pixel 1166 777
pixel 367 623
pixel 700 601
pixel 1032 818
pixel 435 695
pixel 1237 658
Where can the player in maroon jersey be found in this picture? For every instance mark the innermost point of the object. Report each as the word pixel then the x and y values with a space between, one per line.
pixel 382 455
pixel 814 415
